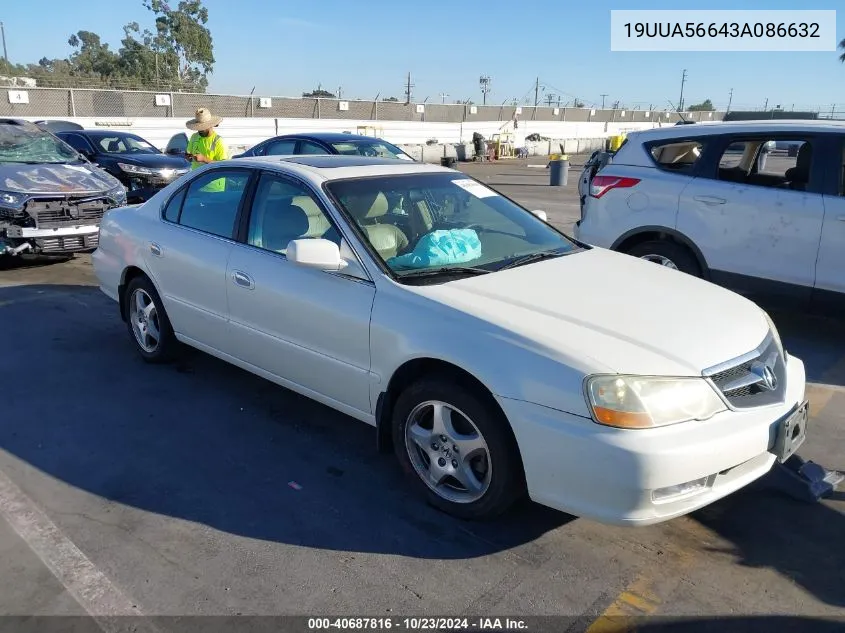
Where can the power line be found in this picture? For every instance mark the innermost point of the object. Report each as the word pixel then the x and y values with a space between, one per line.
pixel 408 93
pixel 484 82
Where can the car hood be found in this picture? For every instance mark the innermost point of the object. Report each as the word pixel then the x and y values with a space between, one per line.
pixel 605 311
pixel 153 161
pixel 61 179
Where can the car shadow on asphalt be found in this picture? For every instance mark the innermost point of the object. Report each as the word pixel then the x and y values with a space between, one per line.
pixel 202 441
pixel 816 340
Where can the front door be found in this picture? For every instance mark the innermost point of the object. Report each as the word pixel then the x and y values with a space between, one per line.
pixel 188 251
pixel 757 215
pixel 309 327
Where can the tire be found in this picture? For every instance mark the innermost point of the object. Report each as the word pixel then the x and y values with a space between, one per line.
pixel 497 487
pixel 669 254
pixel 162 348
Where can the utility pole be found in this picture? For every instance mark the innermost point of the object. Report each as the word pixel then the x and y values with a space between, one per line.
pixel 602 101
pixel 408 86
pixel 681 100
pixel 5 55
pixel 443 96
pixel 537 92
pixel 730 99
pixel 339 90
pixel 484 82
pixel 550 98
pixel 766 105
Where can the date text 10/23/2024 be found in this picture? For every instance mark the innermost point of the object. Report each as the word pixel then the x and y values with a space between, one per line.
pixel 418 624
pixel 740 30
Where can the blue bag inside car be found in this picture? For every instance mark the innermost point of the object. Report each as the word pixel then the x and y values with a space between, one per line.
pixel 441 248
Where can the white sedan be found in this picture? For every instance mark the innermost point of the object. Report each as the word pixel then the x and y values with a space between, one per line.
pixel 499 357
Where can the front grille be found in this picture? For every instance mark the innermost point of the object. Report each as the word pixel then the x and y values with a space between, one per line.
pixel 742 383
pixel 53 212
pixel 68 243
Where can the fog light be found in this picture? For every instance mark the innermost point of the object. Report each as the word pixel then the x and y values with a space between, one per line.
pixel 681 490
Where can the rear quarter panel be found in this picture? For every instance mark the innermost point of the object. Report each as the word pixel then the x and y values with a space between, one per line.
pixel 652 202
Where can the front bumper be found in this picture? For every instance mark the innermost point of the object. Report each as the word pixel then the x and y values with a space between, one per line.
pixel 577 466
pixel 63 239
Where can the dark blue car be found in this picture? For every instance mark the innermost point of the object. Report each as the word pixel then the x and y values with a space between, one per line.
pixel 325 143
pixel 142 168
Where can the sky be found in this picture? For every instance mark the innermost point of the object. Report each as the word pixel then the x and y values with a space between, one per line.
pixel 367 48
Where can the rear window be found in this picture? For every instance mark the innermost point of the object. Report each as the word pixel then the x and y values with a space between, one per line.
pixel 677 155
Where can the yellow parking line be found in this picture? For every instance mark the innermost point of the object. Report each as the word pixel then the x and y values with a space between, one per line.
pixel 644 595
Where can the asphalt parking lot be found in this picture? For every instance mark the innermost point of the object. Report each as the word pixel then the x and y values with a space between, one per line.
pixel 198 489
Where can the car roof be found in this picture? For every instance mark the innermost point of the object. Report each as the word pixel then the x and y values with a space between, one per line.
pixel 337 167
pixel 101 133
pixel 332 137
pixel 708 128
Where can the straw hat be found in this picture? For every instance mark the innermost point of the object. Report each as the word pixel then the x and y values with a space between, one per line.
pixel 203 120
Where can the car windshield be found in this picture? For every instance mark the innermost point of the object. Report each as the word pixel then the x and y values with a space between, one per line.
pixel 30 144
pixel 375 148
pixel 124 144
pixel 427 223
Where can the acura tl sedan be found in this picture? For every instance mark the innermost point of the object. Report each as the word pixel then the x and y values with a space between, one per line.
pixel 498 357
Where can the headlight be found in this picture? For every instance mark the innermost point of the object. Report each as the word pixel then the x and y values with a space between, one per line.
pixel 135 169
pixel 773 329
pixel 12 199
pixel 645 402
pixel 118 194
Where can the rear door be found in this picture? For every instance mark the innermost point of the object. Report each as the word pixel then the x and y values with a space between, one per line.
pixel 189 249
pixel 830 269
pixel 756 220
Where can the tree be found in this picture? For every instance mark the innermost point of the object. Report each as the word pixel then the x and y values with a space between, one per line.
pixel 319 93
pixel 92 57
pixel 182 45
pixel 177 54
pixel 704 106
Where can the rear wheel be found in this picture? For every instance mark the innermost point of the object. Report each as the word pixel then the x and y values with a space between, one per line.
pixel 668 254
pixel 148 323
pixel 457 449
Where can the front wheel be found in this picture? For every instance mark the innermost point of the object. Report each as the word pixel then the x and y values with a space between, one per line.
pixel 668 254
pixel 457 449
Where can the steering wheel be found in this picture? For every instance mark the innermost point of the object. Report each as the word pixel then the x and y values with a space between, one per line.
pixel 369 151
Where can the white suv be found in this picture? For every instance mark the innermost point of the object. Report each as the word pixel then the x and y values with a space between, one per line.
pixel 755 206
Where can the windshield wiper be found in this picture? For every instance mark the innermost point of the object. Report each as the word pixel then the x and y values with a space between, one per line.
pixel 531 258
pixel 444 271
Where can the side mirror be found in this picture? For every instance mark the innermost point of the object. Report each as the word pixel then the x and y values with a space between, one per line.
pixel 316 253
pixel 541 214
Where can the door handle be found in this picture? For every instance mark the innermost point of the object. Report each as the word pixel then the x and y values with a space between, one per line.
pixel 242 279
pixel 155 249
pixel 710 199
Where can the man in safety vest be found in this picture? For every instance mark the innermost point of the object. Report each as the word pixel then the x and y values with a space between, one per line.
pixel 205 145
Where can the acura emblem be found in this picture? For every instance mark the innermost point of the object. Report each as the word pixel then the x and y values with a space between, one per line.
pixel 766 373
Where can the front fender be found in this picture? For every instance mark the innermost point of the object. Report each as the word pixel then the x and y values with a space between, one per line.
pixel 508 364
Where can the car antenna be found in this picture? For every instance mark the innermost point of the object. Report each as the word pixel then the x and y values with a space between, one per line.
pixel 675 108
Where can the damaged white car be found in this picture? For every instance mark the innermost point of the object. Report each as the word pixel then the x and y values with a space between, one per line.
pixel 51 197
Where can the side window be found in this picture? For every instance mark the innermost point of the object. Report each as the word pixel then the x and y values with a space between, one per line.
pixel 171 211
pixel 212 201
pixel 178 144
pixel 307 147
pixel 280 148
pixel 781 164
pixel 283 211
pixel 77 142
pixel 680 156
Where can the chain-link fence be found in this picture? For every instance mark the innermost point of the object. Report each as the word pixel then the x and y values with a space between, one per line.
pixel 89 102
